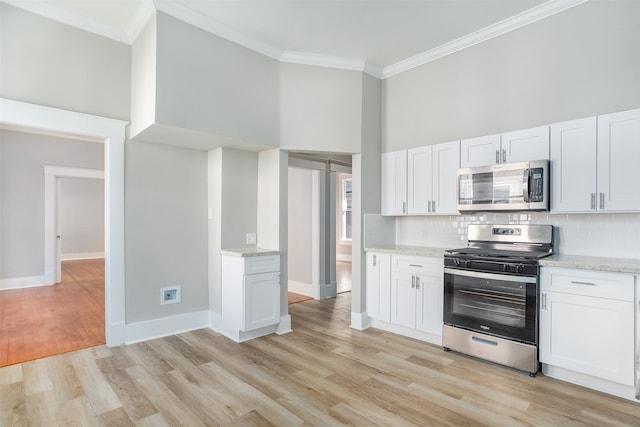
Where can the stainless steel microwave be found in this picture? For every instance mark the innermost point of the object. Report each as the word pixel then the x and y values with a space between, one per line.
pixel 507 187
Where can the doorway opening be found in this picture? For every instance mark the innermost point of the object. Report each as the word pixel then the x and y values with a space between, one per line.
pixel 319 232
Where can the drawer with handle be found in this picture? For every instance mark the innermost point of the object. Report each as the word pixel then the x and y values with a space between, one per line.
pixel 617 286
pixel 417 265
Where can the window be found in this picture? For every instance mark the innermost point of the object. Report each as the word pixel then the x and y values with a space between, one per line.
pixel 346 207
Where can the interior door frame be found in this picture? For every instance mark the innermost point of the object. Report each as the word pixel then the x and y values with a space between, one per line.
pixel 28 117
pixel 52 175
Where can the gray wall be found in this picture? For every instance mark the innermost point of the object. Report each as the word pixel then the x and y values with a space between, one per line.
pixel 81 213
pixel 581 62
pixel 209 84
pixel 48 63
pixel 22 193
pixel 321 108
pixel 300 224
pixel 166 229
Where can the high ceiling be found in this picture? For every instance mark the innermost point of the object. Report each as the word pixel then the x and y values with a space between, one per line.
pixel 380 33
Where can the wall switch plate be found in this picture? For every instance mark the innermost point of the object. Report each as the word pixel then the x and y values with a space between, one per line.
pixel 252 238
pixel 170 295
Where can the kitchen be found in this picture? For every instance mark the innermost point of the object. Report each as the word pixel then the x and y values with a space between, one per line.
pixel 537 75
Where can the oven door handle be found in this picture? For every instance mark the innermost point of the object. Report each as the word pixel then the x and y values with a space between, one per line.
pixel 491 276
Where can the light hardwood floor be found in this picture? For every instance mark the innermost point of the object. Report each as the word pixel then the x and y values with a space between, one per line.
pixel 42 321
pixel 322 374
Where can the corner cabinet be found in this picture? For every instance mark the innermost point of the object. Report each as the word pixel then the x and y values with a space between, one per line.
pixel 593 162
pixel 516 146
pixel 250 296
pixel 587 326
pixel 420 181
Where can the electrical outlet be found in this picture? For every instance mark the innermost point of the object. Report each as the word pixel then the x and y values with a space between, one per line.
pixel 251 238
pixel 170 295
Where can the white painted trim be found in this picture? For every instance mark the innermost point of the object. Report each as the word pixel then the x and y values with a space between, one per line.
pixel 27 116
pixel 23 282
pixel 165 326
pixel 215 321
pixel 360 321
pixel 67 172
pixel 407 332
pixel 81 255
pixel 594 383
pixel 512 23
pixel 284 327
pixel 337 62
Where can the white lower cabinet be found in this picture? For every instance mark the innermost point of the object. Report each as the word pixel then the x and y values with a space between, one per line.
pixel 378 285
pixel 417 293
pixel 250 296
pixel 587 326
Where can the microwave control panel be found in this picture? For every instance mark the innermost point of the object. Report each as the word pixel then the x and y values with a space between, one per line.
pixel 536 185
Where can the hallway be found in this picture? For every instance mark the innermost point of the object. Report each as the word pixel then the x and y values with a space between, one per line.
pixel 43 321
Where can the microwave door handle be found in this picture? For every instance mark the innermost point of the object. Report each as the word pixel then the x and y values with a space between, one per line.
pixel 525 185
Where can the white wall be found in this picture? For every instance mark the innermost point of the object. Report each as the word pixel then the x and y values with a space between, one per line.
pixel 22 194
pixel 208 84
pixel 581 62
pixel 300 226
pixel 166 229
pixel 47 63
pixel 81 216
pixel 320 109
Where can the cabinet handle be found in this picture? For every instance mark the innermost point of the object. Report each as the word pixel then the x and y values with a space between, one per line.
pixel 543 303
pixel 416 265
pixel 374 260
pixel 404 207
pixel 417 282
pixel 429 206
pixel 593 201
pixel 497 157
pixel 413 282
pixel 504 155
pixel 601 200
pixel 433 206
pixel 575 282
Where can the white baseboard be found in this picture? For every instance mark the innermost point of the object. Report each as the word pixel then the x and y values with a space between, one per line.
pixel 116 334
pixel 215 321
pixel 25 282
pixel 284 327
pixel 407 332
pixel 165 326
pixel 343 257
pixel 360 321
pixel 81 255
pixel 605 386
pixel 302 288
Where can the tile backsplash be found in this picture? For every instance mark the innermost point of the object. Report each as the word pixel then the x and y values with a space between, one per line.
pixel 606 235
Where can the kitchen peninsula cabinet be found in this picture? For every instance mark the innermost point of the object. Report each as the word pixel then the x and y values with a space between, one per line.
pixel 510 147
pixel 420 181
pixel 250 295
pixel 587 326
pixel 594 162
pixel 378 285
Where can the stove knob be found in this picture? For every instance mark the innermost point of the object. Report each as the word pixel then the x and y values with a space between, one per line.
pixel 520 268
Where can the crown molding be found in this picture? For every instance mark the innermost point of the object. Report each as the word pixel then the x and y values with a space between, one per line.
pixel 55 13
pixel 138 21
pixel 341 63
pixel 204 22
pixel 520 20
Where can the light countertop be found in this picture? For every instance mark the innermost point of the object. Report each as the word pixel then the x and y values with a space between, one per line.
pixel 616 265
pixel 246 252
pixel 425 251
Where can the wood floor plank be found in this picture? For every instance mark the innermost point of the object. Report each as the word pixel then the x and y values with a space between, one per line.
pixel 323 373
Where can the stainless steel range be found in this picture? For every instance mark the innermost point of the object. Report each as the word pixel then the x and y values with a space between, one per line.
pixel 491 294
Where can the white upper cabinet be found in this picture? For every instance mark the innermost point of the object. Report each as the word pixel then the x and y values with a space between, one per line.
pixel 445 164
pixel 593 162
pixel 480 151
pixel 573 165
pixel 618 161
pixel 428 185
pixel 394 183
pixel 419 180
pixel 510 147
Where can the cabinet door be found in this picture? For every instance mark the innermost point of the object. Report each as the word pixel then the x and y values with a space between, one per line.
pixel 403 299
pixel 480 151
pixel 261 300
pixel 618 160
pixel 525 145
pixel 589 335
pixel 430 303
pixel 573 165
pixel 379 286
pixel 394 183
pixel 446 161
pixel 419 180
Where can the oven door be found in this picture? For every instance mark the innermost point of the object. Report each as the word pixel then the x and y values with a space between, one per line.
pixel 502 305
